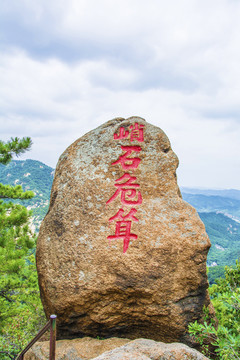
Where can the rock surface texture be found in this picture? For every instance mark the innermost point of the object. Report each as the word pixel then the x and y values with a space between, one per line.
pixel 78 349
pixel 143 349
pixel 113 349
pixel 119 252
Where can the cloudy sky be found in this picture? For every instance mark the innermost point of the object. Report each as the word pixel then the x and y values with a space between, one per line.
pixel 67 66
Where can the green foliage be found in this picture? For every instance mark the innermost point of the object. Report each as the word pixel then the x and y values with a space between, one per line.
pixel 14 192
pixel 16 240
pixel 20 307
pixel 214 273
pixel 14 146
pixel 23 316
pixel 225 295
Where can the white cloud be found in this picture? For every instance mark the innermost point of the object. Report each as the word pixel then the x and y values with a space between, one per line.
pixel 68 66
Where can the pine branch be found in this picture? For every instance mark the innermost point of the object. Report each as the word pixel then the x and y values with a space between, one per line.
pixel 14 192
pixel 14 146
pixel 6 297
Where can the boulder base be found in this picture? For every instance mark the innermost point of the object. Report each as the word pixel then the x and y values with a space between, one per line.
pixel 143 349
pixel 113 349
pixel 85 349
pixel 119 252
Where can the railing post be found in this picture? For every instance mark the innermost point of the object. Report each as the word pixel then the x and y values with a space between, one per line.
pixel 52 337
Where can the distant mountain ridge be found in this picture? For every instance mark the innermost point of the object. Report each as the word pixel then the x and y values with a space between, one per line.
pixel 227 193
pixel 212 203
pixel 218 209
pixel 220 213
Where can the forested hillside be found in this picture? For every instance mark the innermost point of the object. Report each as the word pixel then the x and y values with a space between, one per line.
pixel 220 212
pixel 221 216
pixel 31 175
pixel 225 238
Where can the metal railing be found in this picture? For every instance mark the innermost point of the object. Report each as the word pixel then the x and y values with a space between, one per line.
pixel 51 324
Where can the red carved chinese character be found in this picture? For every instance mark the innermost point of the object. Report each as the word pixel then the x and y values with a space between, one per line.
pixel 137 132
pixel 125 161
pixel 127 191
pixel 123 227
pixel 122 134
pixel 130 215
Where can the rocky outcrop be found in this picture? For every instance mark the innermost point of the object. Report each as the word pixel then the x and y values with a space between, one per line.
pixel 113 349
pixel 119 252
pixel 85 349
pixel 143 349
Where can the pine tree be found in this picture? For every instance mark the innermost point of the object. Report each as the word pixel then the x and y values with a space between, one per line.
pixel 18 278
pixel 15 237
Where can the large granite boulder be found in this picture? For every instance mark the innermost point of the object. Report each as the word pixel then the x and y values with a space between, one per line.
pixel 119 252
